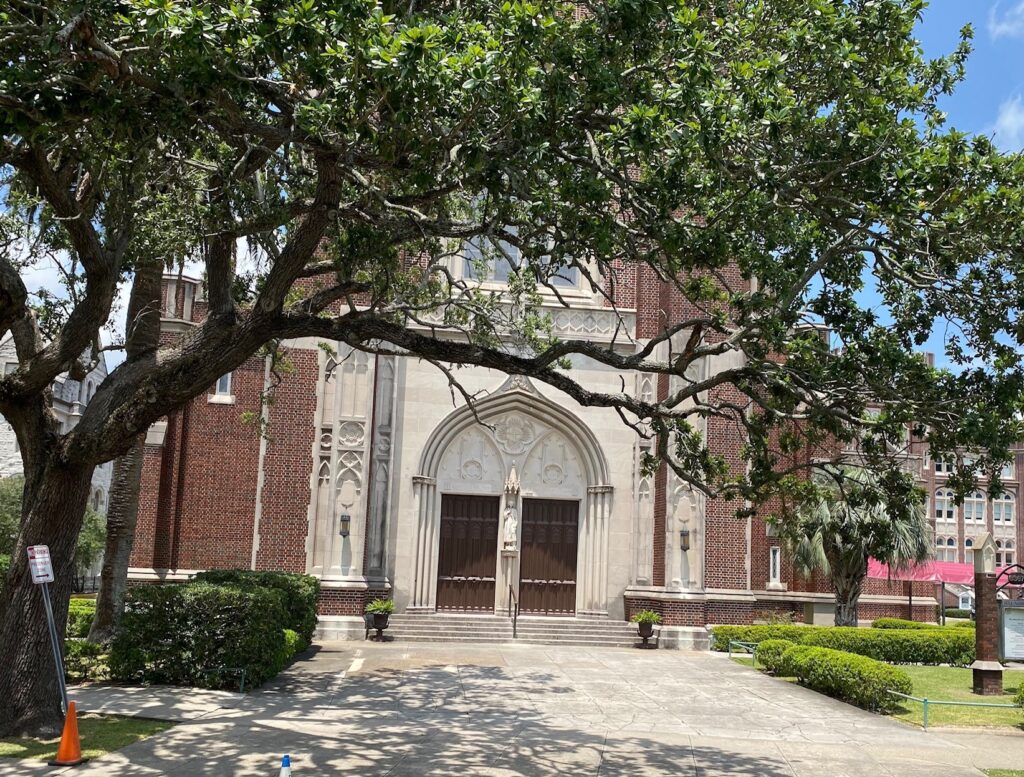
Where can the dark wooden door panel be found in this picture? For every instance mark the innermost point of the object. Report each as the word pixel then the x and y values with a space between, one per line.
pixel 547 572
pixel 468 553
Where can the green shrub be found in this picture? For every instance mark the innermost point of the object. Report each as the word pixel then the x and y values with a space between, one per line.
pixel 80 615
pixel 899 646
pixel 177 634
pixel 769 653
pixel 896 646
pixel 858 680
pixel 963 625
pixel 84 661
pixel 721 635
pixel 900 623
pixel 1018 698
pixel 956 612
pixel 301 593
pixel 291 645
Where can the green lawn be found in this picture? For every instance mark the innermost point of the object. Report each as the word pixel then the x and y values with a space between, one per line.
pixel 947 683
pixel 100 734
pixel 951 684
pixel 1005 772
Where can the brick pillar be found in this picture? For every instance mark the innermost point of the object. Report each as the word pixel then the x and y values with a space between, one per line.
pixel 988 672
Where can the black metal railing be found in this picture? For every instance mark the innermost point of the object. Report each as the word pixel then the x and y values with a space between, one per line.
pixel 513 609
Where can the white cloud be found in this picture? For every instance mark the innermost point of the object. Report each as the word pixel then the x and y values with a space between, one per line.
pixel 1007 24
pixel 1009 126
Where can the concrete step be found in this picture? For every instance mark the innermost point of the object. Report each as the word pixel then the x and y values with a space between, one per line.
pixel 495 629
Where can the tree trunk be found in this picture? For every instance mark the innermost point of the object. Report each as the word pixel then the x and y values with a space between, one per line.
pixel 122 514
pixel 53 507
pixel 142 337
pixel 847 596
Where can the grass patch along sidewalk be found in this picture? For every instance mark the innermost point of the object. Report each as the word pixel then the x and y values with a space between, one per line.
pixel 946 683
pixel 100 734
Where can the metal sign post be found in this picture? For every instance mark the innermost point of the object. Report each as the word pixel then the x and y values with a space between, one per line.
pixel 42 574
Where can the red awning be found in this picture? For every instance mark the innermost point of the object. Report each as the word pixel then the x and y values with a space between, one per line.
pixel 927 572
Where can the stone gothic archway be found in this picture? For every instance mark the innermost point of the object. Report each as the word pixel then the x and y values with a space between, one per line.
pixel 518 444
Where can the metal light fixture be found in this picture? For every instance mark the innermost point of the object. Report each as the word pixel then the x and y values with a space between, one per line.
pixel 684 539
pixel 344 521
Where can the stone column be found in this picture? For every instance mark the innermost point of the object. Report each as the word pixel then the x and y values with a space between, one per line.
pixel 380 472
pixel 592 578
pixel 988 672
pixel 424 586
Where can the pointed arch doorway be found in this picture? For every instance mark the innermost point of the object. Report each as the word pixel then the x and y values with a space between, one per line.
pixel 520 488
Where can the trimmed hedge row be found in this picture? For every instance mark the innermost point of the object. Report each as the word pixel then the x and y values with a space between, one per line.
pixel 859 680
pixel 300 592
pixel 188 634
pixel 956 612
pixel 894 646
pixel 769 653
pixel 80 615
pixel 722 635
pixel 901 623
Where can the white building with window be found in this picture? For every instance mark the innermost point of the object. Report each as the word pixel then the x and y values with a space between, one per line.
pixel 69 400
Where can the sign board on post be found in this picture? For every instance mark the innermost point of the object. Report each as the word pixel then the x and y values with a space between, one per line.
pixel 39 564
pixel 1011 631
pixel 42 574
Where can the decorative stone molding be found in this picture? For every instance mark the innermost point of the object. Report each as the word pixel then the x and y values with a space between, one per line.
pixel 340 467
pixel 593 324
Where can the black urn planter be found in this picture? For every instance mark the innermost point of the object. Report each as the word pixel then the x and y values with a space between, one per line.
pixel 380 621
pixel 646 631
pixel 376 621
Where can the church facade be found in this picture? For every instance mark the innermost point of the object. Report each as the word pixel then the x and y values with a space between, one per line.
pixel 372 474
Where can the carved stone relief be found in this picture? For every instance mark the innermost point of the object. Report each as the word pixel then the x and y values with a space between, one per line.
pixel 514 433
pixel 341 455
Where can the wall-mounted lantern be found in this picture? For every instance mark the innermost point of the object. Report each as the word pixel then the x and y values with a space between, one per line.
pixel 344 522
pixel 684 539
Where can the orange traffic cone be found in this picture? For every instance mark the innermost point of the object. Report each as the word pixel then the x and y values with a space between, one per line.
pixel 70 751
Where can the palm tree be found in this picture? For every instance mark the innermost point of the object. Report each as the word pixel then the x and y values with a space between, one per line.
pixel 849 524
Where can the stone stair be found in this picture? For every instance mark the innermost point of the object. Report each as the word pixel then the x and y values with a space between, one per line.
pixel 456 627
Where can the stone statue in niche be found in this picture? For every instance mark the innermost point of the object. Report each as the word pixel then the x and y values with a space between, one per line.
pixel 511 527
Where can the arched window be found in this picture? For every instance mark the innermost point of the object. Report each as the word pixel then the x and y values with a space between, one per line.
pixel 944 507
pixel 1008 552
pixel 940 548
pixel 951 549
pixel 1003 510
pixel 999 553
pixel 974 507
pixel 969 550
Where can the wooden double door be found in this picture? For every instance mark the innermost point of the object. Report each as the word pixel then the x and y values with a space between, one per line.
pixel 467 557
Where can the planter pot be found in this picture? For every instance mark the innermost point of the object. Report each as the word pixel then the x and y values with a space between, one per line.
pixel 646 630
pixel 380 620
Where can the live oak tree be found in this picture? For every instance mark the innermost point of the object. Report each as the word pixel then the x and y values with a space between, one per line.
pixel 848 524
pixel 355 147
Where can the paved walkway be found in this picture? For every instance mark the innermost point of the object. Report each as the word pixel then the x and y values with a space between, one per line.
pixel 518 710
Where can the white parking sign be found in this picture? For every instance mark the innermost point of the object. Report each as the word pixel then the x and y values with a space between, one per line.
pixel 39 564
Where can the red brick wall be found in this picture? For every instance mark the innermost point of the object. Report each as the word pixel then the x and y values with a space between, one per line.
pixel 289 461
pixel 347 601
pixel 217 493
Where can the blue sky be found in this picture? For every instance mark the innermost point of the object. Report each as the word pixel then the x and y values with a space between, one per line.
pixel 991 99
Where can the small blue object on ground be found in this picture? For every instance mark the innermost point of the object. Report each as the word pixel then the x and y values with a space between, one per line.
pixel 286 766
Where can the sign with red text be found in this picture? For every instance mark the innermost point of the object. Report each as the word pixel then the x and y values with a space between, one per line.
pixel 39 564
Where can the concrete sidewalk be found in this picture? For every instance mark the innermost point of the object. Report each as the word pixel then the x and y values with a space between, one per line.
pixel 518 710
